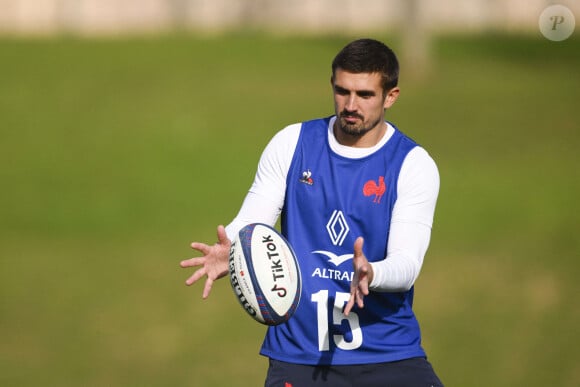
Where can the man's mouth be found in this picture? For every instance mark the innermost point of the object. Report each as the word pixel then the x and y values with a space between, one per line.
pixel 351 117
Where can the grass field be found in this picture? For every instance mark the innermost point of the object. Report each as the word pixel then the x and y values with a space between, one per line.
pixel 115 154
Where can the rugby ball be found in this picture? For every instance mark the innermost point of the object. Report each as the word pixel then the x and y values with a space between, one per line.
pixel 264 274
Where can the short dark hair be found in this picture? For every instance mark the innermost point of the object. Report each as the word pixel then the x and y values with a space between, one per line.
pixel 369 56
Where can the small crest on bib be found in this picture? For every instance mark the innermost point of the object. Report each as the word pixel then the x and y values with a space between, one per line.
pixel 307 177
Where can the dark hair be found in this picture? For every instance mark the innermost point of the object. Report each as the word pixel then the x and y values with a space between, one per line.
pixel 369 56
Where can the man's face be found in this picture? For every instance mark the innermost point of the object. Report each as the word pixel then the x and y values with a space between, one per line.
pixel 359 102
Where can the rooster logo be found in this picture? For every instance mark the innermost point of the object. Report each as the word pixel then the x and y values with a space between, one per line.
pixel 372 188
pixel 307 177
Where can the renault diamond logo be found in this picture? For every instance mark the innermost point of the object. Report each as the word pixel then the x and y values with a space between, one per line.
pixel 337 228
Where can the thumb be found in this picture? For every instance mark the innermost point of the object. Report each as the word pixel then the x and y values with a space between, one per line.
pixel 358 246
pixel 222 236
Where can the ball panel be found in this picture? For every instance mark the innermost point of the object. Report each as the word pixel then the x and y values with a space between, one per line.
pixel 275 269
pixel 241 282
pixel 264 274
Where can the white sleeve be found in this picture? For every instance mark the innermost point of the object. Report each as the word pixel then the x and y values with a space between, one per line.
pixel 410 232
pixel 265 199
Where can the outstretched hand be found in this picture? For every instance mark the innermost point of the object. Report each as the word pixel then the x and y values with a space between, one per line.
pixel 214 262
pixel 363 276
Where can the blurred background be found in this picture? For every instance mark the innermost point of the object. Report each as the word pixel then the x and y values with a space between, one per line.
pixel 130 128
pixel 90 17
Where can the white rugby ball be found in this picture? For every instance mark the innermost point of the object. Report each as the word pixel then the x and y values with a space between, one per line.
pixel 264 274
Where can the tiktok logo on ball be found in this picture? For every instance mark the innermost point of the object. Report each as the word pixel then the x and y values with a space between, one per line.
pixel 557 23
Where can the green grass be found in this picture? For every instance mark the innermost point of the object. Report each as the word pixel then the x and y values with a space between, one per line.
pixel 115 154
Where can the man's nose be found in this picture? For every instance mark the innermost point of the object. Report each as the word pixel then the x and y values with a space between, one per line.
pixel 351 103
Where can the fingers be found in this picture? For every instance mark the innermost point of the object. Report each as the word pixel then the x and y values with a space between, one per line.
pixel 355 297
pixel 349 305
pixel 222 236
pixel 358 246
pixel 201 247
pixel 211 263
pixel 363 271
pixel 195 276
pixel 363 282
pixel 359 298
pixel 222 240
pixel 207 288
pixel 360 285
pixel 191 262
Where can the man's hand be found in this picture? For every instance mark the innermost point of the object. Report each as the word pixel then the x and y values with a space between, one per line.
pixel 214 262
pixel 363 276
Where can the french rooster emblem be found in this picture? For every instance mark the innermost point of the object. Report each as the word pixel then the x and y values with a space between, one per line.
pixel 372 188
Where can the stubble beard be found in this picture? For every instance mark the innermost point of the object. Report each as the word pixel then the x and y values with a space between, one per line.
pixel 358 129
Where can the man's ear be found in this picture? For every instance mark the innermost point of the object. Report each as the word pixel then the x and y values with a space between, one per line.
pixel 391 97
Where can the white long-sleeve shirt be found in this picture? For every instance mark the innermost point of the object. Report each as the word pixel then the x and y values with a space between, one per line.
pixel 412 219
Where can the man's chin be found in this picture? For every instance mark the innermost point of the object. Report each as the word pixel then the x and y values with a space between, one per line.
pixel 352 130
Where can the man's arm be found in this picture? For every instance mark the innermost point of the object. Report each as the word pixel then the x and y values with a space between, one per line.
pixel 263 204
pixel 410 231
pixel 409 235
pixel 265 199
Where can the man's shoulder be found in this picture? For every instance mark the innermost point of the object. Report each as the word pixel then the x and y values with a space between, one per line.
pixel 316 126
pixel 288 133
pixel 319 122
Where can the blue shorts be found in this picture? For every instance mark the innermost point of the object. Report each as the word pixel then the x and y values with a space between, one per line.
pixel 415 372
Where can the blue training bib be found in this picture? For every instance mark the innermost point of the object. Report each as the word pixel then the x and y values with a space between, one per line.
pixel 330 201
